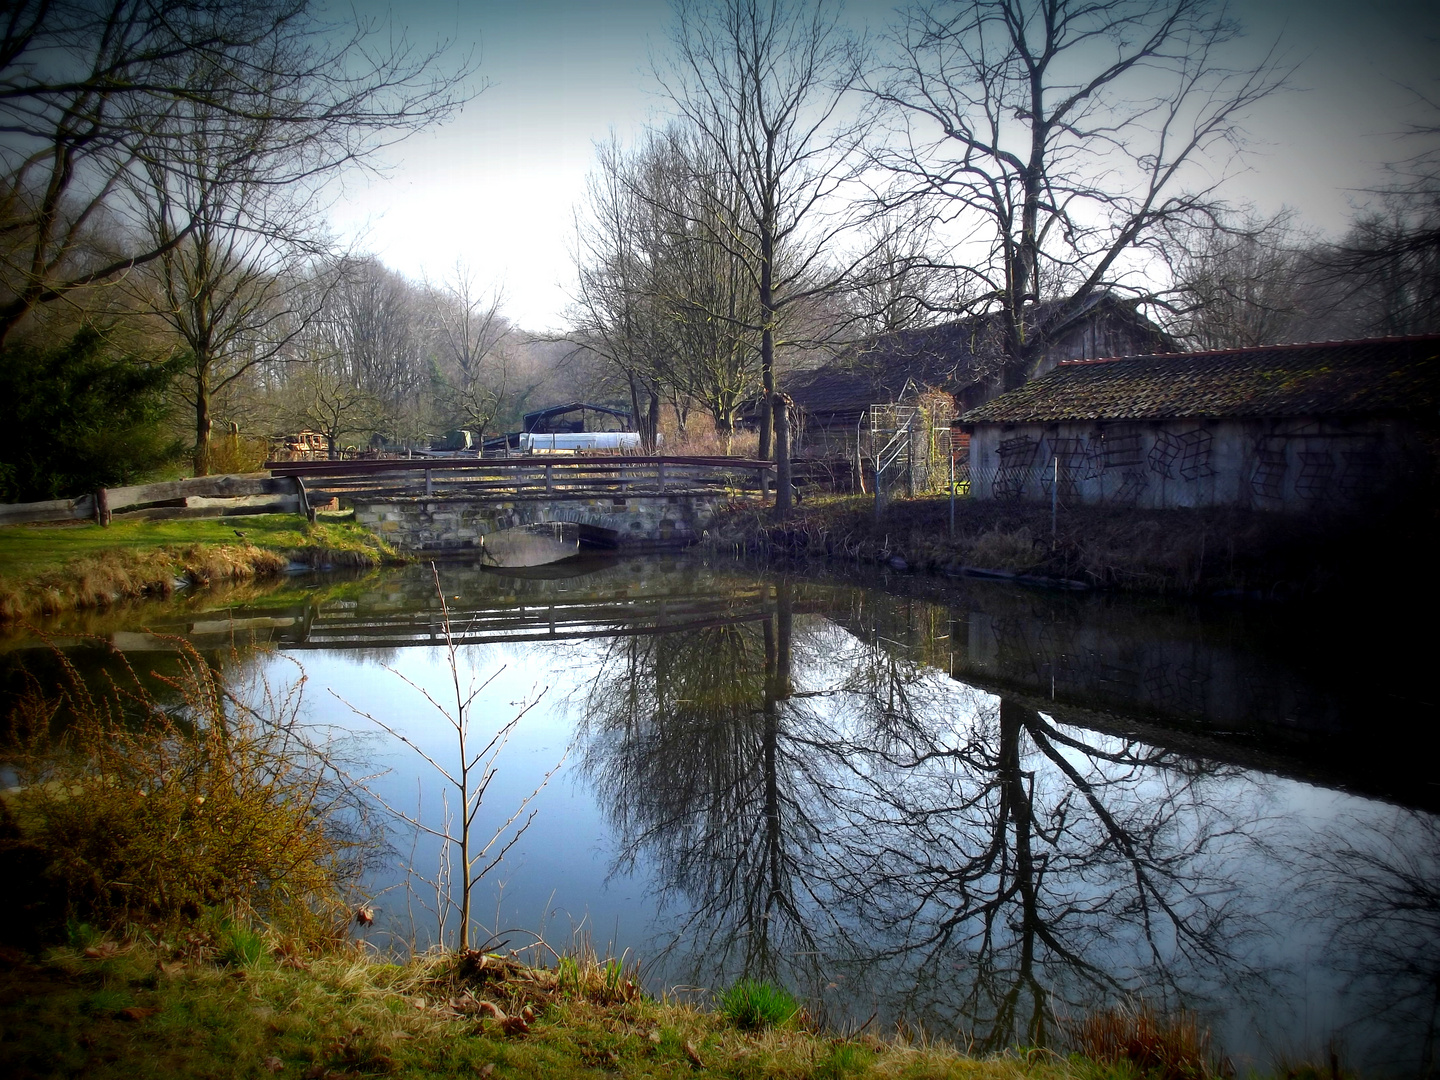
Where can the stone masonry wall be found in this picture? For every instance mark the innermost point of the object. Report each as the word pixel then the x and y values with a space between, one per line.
pixel 432 525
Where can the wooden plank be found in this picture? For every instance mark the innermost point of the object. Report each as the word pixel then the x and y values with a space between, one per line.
pixel 50 510
pixel 201 486
pixel 499 465
pixel 230 508
pixel 302 500
pixel 263 504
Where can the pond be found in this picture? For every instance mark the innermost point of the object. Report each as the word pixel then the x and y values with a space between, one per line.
pixel 977 814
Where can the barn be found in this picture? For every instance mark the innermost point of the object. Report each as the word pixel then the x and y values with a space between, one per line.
pixel 1306 427
pixel 836 402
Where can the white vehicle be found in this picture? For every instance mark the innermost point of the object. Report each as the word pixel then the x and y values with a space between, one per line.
pixel 575 442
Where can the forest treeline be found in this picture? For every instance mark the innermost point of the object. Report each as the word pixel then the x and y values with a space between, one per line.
pixel 167 277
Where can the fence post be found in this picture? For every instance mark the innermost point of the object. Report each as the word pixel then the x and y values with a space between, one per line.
pixel 951 456
pixel 102 507
pixel 429 484
pixel 549 479
pixel 660 474
pixel 304 496
pixel 1054 501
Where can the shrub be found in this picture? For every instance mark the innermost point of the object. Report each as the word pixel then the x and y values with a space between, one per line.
pixel 753 1005
pixel 79 416
pixel 149 811
pixel 1001 550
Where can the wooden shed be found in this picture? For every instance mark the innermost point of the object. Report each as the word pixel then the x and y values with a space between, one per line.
pixel 1296 427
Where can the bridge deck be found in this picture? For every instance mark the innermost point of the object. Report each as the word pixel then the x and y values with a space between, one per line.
pixel 548 477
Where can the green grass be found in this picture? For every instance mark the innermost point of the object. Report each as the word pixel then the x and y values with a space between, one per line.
pixel 50 569
pixel 755 1006
pixel 28 550
pixel 170 1010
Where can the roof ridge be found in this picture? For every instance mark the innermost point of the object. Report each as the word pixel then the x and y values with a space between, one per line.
pixel 1394 339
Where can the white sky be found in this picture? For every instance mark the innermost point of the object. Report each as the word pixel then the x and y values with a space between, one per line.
pixel 498 187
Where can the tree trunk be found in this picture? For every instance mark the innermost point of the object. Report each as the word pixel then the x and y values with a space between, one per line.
pixel 203 424
pixel 767 334
pixel 725 428
pixel 646 437
pixel 780 405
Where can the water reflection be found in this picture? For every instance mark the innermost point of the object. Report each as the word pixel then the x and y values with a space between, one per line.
pixel 706 769
pixel 829 811
pixel 977 815
pixel 1373 884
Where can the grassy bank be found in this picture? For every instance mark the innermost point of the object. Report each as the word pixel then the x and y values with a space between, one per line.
pixel 228 1003
pixel 53 568
pixel 1176 552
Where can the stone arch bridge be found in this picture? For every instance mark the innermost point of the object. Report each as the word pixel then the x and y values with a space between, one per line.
pixel 445 505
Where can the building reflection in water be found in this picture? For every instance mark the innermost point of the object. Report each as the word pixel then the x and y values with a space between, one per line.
pixel 979 816
pixel 837 815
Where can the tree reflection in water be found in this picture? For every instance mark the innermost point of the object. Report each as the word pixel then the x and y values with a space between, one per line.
pixel 828 811
pixel 693 748
pixel 1373 884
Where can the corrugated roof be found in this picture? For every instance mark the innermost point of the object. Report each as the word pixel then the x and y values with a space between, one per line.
pixel 1386 375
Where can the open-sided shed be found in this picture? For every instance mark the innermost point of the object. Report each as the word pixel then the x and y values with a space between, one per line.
pixel 576 416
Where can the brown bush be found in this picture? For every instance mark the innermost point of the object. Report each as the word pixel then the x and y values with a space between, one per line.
pixel 150 811
pixel 701 439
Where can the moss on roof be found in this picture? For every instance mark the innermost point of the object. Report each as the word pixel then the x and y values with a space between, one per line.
pixel 1393 376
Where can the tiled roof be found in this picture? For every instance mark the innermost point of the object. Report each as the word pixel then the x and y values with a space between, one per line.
pixel 949 356
pixel 1332 378
pixel 934 356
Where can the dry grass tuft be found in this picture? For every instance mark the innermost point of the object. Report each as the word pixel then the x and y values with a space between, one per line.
pixel 998 549
pixel 701 439
pixel 108 577
pixel 1172 1046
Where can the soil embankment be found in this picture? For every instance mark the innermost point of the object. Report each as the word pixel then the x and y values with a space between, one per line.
pixel 1210 552
pixel 44 570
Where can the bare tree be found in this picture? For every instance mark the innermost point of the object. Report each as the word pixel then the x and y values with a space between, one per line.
pixel 232 243
pixel 464 769
pixel 764 85
pixel 898 286
pixel 90 92
pixel 614 314
pixel 374 323
pixel 650 262
pixel 318 393
pixel 1055 140
pixel 471 333
pixel 1243 286
pixel 1386 269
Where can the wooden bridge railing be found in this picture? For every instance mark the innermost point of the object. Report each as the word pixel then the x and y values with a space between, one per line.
pixel 291 486
pixel 530 477
pixel 201 496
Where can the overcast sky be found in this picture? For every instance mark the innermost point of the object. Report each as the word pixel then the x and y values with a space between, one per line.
pixel 498 186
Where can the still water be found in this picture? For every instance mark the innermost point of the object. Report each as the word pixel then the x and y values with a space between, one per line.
pixel 974 813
